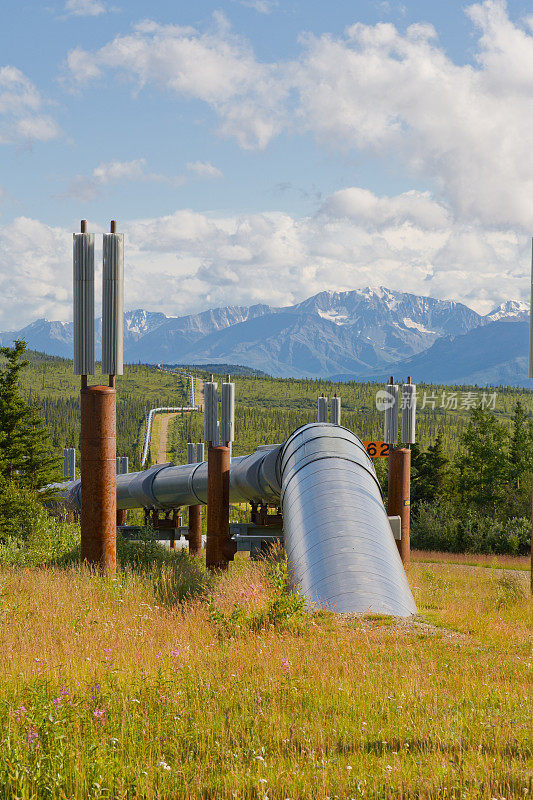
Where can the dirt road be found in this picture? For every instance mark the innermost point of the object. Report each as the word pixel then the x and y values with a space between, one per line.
pixel 162 444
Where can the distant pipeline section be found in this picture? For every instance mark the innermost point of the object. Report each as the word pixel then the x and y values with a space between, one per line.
pixel 338 540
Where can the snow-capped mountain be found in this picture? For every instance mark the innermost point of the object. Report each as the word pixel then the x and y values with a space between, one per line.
pixel 398 322
pixel 511 309
pixel 355 333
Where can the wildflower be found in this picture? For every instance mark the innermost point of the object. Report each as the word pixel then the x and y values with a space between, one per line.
pixel 286 664
pixel 107 654
pixel 20 713
pixel 164 765
pixel 99 714
pixel 56 701
pixel 32 736
pixel 175 653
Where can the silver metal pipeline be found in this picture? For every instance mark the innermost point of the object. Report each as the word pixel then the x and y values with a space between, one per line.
pixel 339 543
pixel 337 535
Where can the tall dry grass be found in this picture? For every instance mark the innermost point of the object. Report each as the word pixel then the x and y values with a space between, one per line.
pixel 111 689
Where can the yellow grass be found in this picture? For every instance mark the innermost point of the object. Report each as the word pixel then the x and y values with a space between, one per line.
pixel 473 559
pixel 335 706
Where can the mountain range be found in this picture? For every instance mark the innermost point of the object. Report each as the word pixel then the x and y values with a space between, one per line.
pixel 359 334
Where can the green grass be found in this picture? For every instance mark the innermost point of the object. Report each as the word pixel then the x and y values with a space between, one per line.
pixel 120 689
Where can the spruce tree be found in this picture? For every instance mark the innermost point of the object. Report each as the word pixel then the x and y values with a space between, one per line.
pixel 483 464
pixel 431 472
pixel 520 447
pixel 25 452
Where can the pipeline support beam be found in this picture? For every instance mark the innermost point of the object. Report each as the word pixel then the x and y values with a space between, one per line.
pixel 400 496
pixel 219 545
pixel 98 478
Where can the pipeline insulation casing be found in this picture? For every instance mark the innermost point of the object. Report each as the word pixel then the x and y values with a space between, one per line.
pixel 113 304
pixel 390 429
pixel 83 296
pixel 337 535
pixel 408 413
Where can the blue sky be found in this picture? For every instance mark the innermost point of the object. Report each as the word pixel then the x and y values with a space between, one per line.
pixel 261 151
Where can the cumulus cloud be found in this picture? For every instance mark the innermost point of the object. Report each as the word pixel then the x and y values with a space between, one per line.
pixel 398 95
pixel 84 8
pixel 188 261
pixel 21 110
pixel 466 128
pixel 217 67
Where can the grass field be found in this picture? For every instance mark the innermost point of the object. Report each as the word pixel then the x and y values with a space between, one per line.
pixel 115 689
pixel 473 559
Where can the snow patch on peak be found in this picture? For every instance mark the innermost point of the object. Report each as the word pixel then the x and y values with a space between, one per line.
pixel 410 323
pixel 339 319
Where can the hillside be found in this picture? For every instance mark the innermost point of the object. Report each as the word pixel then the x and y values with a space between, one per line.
pixel 267 409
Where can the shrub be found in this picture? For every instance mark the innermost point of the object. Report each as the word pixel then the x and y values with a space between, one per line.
pixel 442 526
pixel 28 535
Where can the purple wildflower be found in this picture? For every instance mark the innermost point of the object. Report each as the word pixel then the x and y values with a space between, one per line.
pixel 56 701
pixel 99 714
pixel 20 713
pixel 32 736
pixel 286 664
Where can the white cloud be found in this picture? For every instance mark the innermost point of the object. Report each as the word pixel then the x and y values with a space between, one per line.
pixel 21 110
pixel 217 67
pixel 466 129
pixel 399 96
pixel 261 6
pixel 203 169
pixel 362 205
pixel 187 261
pixel 84 8
pixel 89 187
pixel 120 170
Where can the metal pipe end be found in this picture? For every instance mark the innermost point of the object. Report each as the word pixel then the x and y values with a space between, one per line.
pixel 113 226
pixel 83 226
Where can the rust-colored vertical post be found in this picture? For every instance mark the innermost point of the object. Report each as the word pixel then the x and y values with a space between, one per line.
pixel 98 477
pixel 218 547
pixel 399 502
pixel 122 516
pixel 195 530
